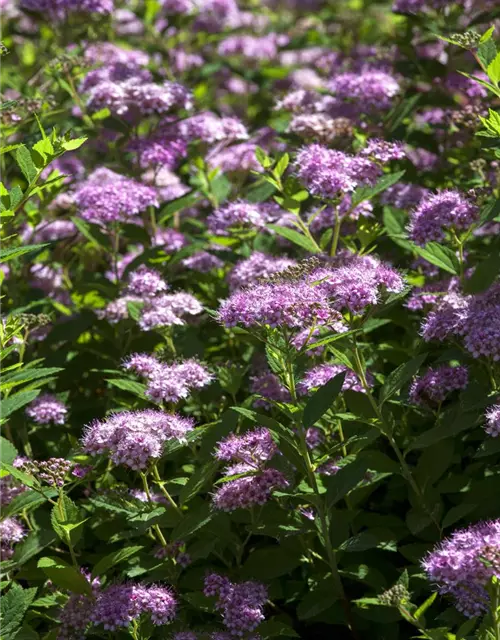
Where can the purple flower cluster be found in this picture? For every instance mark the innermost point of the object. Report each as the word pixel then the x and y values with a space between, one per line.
pixel 433 387
pixel 492 426
pixel 439 213
pixel 210 128
pixel 127 93
pixel 47 409
pixel 169 382
pixel 242 214
pixel 250 452
pixel 383 151
pixel 134 438
pixel 358 284
pixel 203 262
pixel 257 267
pixel 323 373
pixel 146 282
pixel 241 604
pixel 474 318
pixel 373 89
pixel 107 197
pixel 463 565
pixel 60 8
pixel 11 532
pixel 268 386
pixel 327 172
pixel 120 604
pixel 168 309
pixel 289 304
pixel 75 616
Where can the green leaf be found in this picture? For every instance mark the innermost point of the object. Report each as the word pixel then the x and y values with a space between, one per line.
pixel 486 272
pixel 185 201
pixel 15 195
pixel 136 388
pixel 489 212
pixel 15 252
pixel 450 427
pixel 263 158
pixel 457 513
pixel 71 145
pixel 319 599
pixel 400 376
pixel 198 481
pixel 19 377
pixel 322 399
pixel 23 159
pixel 65 513
pixel 487 35
pixel 114 558
pixel 281 165
pixel 91 232
pixel 367 193
pixel 8 452
pixel 27 501
pixel 295 237
pixel 346 479
pixel 16 401
pixel 443 257
pixel 466 628
pixel 260 192
pixel 192 522
pixel 493 69
pixel 486 52
pixel 45 149
pixel 275 628
pixel 268 563
pixel 423 607
pixel 64 576
pixel 32 545
pixel 26 479
pixel 13 607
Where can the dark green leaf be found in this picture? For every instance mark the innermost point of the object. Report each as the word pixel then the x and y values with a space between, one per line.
pixel 16 401
pixel 346 479
pixel 192 522
pixel 114 558
pixel 443 257
pixel 64 576
pixel 8 451
pixel 400 376
pixel 137 388
pixel 13 607
pixel 367 193
pixel 15 252
pixel 270 562
pixel 322 399
pixel 295 237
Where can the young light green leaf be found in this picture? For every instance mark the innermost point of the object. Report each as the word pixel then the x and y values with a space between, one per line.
pixel 8 451
pixel 15 252
pixel 23 159
pixel 493 70
pixel 423 607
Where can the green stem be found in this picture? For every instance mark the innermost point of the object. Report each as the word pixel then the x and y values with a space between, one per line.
pixel 160 483
pixel 387 431
pixel 336 233
pixel 319 504
pixel 155 527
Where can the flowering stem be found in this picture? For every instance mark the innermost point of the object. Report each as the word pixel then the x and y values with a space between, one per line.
pixel 156 528
pixel 161 484
pixel 336 234
pixel 319 503
pixel 387 431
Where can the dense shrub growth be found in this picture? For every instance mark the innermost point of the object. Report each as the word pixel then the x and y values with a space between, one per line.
pixel 250 325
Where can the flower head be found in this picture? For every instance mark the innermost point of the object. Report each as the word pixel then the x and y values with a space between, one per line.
pixel 133 438
pixel 463 564
pixel 492 426
pixel 433 387
pixel 47 409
